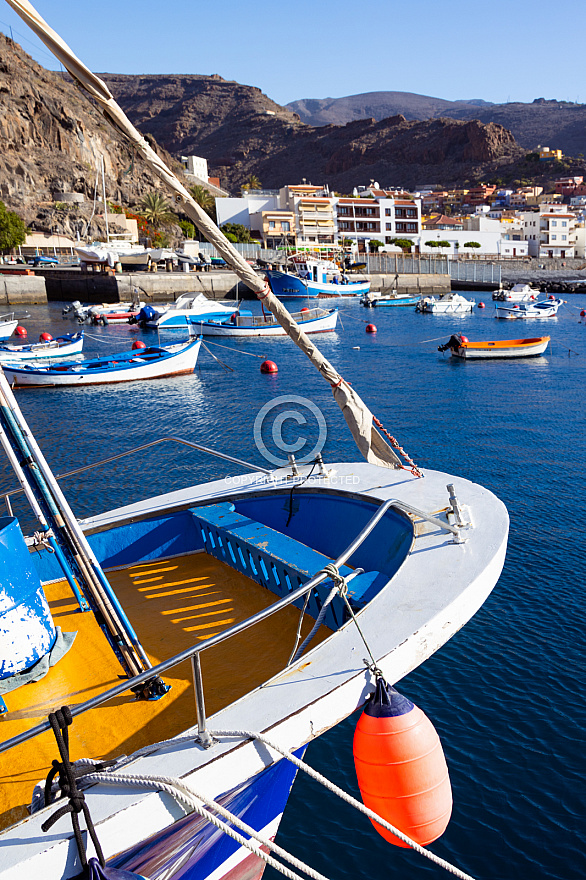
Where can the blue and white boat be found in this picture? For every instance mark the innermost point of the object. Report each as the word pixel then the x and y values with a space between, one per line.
pixel 244 323
pixel 313 278
pixel 62 346
pixel 187 310
pixel 127 366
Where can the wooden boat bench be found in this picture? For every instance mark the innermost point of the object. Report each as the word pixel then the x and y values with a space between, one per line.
pixel 274 560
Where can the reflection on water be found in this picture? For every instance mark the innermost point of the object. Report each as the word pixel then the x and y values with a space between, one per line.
pixel 505 692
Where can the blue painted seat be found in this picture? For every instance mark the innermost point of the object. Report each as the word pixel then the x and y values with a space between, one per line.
pixel 274 560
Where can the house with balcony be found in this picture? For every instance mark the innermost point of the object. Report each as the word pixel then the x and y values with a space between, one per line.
pixel 274 229
pixel 550 231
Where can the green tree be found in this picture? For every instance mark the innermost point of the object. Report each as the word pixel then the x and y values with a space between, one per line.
pixel 204 199
pixel 375 244
pixel 236 232
pixel 404 243
pixel 472 244
pixel 187 228
pixel 155 208
pixel 12 229
pixel 252 182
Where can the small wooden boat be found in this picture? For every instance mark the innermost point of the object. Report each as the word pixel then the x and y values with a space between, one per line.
pixel 548 308
pixel 311 320
pixel 141 363
pixel 393 300
pixel 8 325
pixel 62 346
pixel 460 346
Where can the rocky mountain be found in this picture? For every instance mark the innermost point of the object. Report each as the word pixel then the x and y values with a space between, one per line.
pixel 241 132
pixel 559 124
pixel 51 141
pixel 378 105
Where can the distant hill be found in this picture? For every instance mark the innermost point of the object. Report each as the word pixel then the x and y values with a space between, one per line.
pixel 556 124
pixel 378 105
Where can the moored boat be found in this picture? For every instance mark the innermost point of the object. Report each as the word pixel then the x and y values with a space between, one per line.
pixel 126 366
pixel 547 308
pixel 309 277
pixel 517 293
pixel 187 310
pixel 393 300
pixel 449 304
pixel 63 346
pixel 314 320
pixel 460 346
pixel 8 324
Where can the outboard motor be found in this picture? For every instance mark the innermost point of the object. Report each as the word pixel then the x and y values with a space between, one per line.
pixel 27 631
pixel 146 314
pixel 453 343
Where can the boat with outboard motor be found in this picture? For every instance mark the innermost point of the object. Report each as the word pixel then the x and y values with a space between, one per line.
pixel 547 308
pixel 461 347
pixel 375 299
pixel 449 304
pixel 188 310
pixel 517 293
pixel 141 362
pixel 62 346
pixel 259 596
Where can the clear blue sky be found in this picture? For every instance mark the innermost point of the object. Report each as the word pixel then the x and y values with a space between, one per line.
pixel 456 49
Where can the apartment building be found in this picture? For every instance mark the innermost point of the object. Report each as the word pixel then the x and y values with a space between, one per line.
pixel 550 231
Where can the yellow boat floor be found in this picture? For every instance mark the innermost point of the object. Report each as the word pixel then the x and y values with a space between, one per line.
pixel 172 604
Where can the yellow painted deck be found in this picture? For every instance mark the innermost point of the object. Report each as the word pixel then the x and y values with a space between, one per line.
pixel 172 604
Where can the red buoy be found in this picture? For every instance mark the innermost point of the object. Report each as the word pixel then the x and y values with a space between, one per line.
pixel 583 314
pixel 138 343
pixel 304 309
pixel 45 337
pixel 21 331
pixel 371 328
pixel 551 296
pixel 481 305
pixel 463 338
pixel 269 367
pixel 401 769
pixel 233 317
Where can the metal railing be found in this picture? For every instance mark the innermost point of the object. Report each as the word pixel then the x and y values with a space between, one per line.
pixel 475 271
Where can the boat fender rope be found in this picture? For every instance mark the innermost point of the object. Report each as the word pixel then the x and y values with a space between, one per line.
pixel 76 804
pixel 301 765
pixel 263 293
pixel 195 801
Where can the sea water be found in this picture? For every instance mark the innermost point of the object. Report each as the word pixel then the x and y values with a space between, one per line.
pixel 506 694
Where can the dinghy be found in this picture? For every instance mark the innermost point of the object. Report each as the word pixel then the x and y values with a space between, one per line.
pixel 450 304
pixel 63 346
pixel 126 366
pixel 221 627
pixel 460 346
pixel 547 308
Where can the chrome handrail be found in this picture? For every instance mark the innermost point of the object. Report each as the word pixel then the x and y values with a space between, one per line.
pixel 154 671
pixel 189 443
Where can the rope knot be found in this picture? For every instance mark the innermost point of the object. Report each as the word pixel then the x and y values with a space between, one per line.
pixel 331 569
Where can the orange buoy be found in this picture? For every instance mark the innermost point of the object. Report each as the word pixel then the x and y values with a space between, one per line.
pixel 481 305
pixel 371 328
pixel 401 769
pixel 269 367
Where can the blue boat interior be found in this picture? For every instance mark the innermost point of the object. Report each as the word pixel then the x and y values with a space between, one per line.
pixel 278 539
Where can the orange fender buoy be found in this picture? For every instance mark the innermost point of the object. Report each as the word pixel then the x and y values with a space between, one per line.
pixel 401 769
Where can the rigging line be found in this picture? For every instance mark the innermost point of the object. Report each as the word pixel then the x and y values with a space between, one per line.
pixel 261 356
pixel 231 369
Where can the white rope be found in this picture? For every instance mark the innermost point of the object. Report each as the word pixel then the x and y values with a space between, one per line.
pixel 345 797
pixel 184 793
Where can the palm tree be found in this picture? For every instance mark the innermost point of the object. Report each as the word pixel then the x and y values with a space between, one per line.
pixel 204 199
pixel 252 183
pixel 155 208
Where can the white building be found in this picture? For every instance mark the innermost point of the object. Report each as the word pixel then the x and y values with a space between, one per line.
pixel 550 231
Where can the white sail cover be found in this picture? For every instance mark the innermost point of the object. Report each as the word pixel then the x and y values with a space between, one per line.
pixel 358 417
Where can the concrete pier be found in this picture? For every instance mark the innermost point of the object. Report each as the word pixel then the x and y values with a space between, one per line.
pixel 19 289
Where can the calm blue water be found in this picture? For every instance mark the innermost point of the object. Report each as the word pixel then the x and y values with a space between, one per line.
pixel 507 693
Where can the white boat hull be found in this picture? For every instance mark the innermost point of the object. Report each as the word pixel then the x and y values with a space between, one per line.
pixel 525 311
pixel 510 351
pixel 7 328
pixel 183 360
pixel 324 324
pixel 41 350
pixel 449 305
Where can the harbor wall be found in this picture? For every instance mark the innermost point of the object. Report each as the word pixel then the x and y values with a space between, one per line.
pixel 22 290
